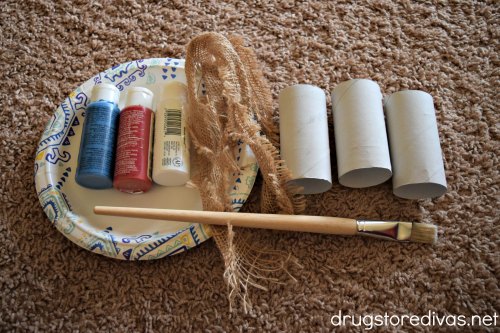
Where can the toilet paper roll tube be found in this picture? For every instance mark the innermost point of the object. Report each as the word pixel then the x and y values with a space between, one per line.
pixel 363 158
pixel 304 137
pixel 415 149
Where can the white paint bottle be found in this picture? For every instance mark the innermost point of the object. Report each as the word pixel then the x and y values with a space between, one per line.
pixel 171 165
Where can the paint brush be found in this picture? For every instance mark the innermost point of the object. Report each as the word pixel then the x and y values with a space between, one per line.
pixel 390 230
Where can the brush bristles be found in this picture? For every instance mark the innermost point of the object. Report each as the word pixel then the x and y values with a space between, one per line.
pixel 423 233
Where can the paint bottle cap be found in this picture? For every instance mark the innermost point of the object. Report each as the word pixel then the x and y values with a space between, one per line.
pixel 175 90
pixel 106 92
pixel 140 96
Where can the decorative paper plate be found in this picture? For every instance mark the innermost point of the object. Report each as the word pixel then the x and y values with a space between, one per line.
pixel 70 206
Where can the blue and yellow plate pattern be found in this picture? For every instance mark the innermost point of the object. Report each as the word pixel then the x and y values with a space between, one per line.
pixel 70 207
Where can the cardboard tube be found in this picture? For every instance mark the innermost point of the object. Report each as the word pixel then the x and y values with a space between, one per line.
pixel 304 137
pixel 363 158
pixel 415 149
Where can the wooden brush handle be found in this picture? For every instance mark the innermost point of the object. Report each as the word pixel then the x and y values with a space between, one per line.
pixel 305 223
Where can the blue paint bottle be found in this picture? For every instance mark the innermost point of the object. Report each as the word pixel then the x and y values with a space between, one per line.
pixel 98 144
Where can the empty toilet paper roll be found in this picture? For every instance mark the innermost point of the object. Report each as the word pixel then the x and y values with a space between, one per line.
pixel 363 158
pixel 304 137
pixel 415 149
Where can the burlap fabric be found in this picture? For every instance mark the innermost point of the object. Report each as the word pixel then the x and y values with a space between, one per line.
pixel 236 104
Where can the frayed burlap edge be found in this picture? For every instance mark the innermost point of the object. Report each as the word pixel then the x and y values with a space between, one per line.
pixel 236 106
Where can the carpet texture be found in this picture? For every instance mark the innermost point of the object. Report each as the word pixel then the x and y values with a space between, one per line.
pixel 449 49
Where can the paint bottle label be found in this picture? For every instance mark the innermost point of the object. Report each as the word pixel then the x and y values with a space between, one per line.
pixel 133 166
pixel 173 128
pixel 98 140
pixel 171 165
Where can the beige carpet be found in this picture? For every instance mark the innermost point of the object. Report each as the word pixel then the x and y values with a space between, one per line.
pixel 48 284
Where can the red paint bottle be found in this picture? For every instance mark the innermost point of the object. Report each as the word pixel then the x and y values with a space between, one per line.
pixel 134 145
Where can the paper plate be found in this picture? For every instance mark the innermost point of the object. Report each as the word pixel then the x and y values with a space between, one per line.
pixel 70 206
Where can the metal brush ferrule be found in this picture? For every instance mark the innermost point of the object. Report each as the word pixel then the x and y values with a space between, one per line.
pixel 394 230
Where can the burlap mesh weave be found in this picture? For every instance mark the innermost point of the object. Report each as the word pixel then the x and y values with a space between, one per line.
pixel 236 105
